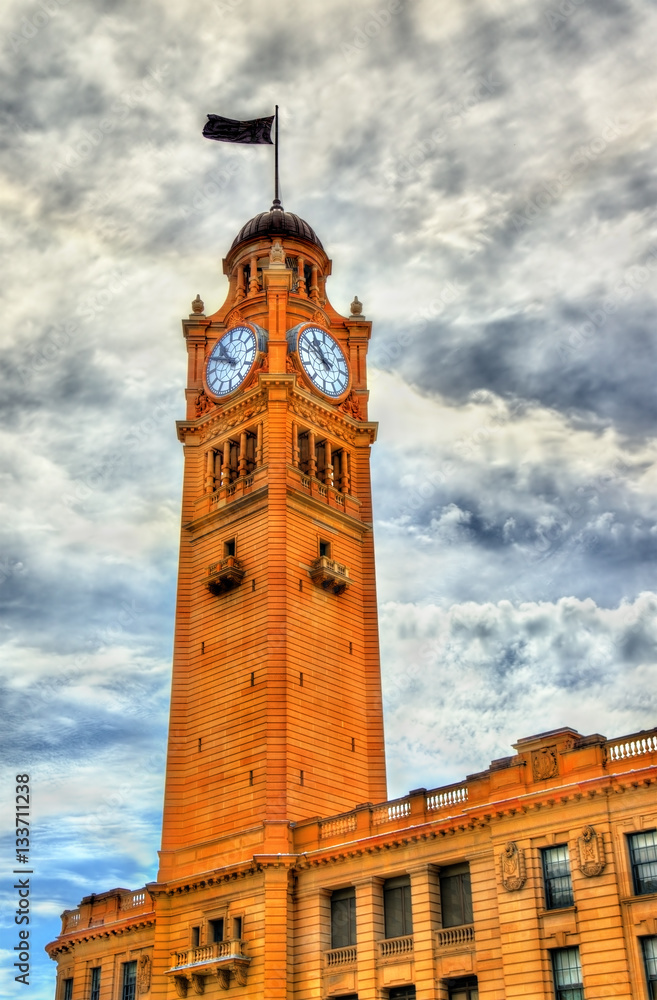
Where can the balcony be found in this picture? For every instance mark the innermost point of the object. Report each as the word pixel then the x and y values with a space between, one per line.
pixel 224 961
pixel 395 949
pixel 455 937
pixel 224 575
pixel 329 575
pixel 340 957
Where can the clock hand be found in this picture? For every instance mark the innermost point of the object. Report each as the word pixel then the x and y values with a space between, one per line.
pixel 225 357
pixel 319 351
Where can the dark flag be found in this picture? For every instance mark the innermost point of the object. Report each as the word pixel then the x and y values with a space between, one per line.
pixel 258 130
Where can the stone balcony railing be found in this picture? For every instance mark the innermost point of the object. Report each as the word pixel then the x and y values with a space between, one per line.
pixel 224 575
pixel 392 949
pixel 225 960
pixel 629 747
pixel 577 759
pixel 329 575
pixel 106 908
pixel 340 957
pixel 451 937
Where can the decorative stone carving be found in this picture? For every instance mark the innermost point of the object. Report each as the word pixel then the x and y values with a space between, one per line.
pixel 143 974
pixel 198 305
pixel 223 975
pixel 329 575
pixel 514 872
pixel 181 985
pixel 202 403
pixel 277 255
pixel 591 852
pixel 356 307
pixel 240 975
pixel 198 983
pixel 544 763
pixel 224 575
pixel 290 366
pixel 351 406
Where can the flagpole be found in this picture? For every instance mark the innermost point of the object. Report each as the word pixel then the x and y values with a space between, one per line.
pixel 277 203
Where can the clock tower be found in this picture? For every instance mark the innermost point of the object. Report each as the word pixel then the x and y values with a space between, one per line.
pixel 276 701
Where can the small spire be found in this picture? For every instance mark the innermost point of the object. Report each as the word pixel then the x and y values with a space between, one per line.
pixel 356 307
pixel 198 305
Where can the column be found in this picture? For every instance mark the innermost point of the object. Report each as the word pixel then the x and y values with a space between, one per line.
pixel 259 445
pixel 277 934
pixel 301 286
pixel 369 931
pixel 209 471
pixel 242 465
pixel 225 464
pixel 314 287
pixel 295 444
pixel 253 281
pixel 344 463
pixel 425 901
pixel 328 464
pixel 312 456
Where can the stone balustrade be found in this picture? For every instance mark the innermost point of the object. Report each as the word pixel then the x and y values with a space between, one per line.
pixel 392 948
pixel 421 806
pixel 448 937
pixel 340 957
pixel 636 745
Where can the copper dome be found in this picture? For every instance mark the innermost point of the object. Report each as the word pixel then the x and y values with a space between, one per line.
pixel 276 222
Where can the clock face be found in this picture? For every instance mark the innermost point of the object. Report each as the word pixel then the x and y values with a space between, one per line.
pixel 231 360
pixel 323 361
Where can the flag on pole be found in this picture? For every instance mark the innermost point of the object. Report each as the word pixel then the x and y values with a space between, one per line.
pixel 257 130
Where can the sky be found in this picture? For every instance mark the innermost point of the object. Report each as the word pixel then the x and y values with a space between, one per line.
pixel 483 175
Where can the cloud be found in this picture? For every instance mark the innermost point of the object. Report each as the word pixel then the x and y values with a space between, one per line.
pixel 458 680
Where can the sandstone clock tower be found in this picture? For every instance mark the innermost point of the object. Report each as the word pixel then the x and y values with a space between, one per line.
pixel 276 703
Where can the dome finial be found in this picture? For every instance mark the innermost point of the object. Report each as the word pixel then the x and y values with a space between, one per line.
pixel 276 206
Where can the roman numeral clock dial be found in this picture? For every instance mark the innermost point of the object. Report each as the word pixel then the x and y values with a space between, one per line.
pixel 232 359
pixel 323 361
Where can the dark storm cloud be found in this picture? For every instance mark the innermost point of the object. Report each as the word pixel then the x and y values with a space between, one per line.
pixel 589 362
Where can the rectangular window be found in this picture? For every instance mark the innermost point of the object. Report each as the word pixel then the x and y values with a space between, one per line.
pixel 217 930
pixel 463 989
pixel 397 907
pixel 343 918
pixel 196 937
pixel 455 895
pixel 401 993
pixel 237 928
pixel 643 851
pixel 67 993
pixel 94 992
pixel 129 981
pixel 567 972
pixel 650 960
pixel 556 875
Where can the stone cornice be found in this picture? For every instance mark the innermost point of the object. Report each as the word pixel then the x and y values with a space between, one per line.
pixel 66 941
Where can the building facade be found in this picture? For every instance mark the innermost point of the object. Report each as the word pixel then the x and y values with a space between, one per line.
pixel 284 871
